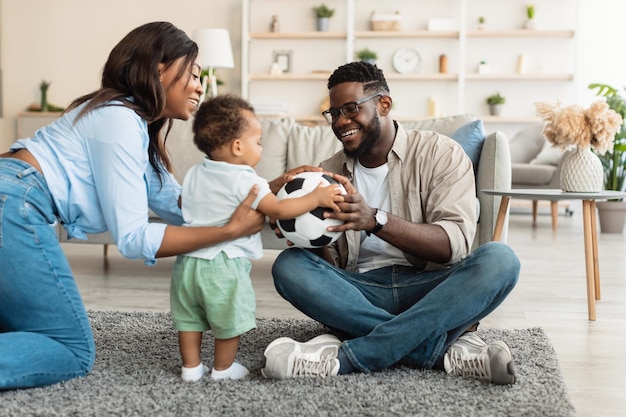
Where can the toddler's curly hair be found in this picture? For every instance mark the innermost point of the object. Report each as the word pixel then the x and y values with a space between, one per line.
pixel 218 121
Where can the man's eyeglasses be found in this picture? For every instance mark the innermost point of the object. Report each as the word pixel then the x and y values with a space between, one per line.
pixel 349 110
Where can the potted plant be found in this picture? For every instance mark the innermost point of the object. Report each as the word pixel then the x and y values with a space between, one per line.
pixel 481 23
pixel 612 216
pixel 530 14
pixel 495 102
pixel 323 14
pixel 366 55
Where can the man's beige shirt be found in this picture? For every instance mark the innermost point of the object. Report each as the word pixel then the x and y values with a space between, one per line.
pixel 431 181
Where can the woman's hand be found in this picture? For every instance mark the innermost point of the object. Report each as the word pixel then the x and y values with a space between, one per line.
pixel 246 221
pixel 276 184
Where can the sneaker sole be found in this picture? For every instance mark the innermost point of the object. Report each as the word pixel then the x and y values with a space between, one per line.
pixel 509 378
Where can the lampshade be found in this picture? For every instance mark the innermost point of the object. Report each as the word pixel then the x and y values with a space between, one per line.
pixel 214 48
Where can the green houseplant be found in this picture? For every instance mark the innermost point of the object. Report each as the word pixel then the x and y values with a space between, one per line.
pixel 366 55
pixel 495 102
pixel 323 10
pixel 323 13
pixel 612 214
pixel 530 14
pixel 481 23
pixel 614 160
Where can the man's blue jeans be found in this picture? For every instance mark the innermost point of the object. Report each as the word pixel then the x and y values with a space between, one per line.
pixel 397 314
pixel 45 336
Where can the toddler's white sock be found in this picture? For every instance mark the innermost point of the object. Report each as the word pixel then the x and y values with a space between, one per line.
pixel 236 371
pixel 193 374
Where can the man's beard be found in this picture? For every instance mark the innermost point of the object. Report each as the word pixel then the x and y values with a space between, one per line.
pixel 371 134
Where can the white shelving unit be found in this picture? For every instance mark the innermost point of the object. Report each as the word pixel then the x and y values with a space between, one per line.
pixel 314 55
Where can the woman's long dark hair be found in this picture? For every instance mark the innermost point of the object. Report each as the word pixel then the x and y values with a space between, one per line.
pixel 131 76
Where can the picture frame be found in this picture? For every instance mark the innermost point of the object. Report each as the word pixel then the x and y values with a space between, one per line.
pixel 283 59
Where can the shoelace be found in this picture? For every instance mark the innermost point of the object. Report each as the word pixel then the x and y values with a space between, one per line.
pixel 470 364
pixel 307 367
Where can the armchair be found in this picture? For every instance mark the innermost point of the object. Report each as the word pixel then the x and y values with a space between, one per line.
pixel 536 164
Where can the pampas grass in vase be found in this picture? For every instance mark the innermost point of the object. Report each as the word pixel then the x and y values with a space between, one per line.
pixel 574 126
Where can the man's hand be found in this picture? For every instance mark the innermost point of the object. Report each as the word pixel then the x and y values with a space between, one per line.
pixel 354 211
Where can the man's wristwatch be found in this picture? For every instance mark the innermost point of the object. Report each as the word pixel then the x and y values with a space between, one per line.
pixel 381 219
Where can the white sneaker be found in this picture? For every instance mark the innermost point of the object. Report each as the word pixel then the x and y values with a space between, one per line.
pixel 285 358
pixel 470 356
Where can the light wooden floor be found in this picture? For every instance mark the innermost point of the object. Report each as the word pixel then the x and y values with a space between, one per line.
pixel 551 294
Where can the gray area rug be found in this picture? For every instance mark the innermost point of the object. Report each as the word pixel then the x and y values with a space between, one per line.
pixel 137 374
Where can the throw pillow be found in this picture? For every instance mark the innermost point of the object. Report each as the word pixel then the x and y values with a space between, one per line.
pixel 471 137
pixel 549 155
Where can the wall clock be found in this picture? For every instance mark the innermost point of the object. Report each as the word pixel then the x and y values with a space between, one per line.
pixel 406 60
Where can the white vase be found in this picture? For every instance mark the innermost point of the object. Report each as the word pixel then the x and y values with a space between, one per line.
pixel 582 172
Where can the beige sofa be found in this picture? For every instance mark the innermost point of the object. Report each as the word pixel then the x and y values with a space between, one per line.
pixel 287 144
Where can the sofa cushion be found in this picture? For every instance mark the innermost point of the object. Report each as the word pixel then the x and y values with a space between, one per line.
pixel 310 145
pixel 527 143
pixel 471 137
pixel 445 125
pixel 531 174
pixel 274 136
pixel 549 155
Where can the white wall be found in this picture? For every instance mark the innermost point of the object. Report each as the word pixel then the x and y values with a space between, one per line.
pixel 67 42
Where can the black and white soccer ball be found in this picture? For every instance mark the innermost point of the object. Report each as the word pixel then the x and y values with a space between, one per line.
pixel 309 229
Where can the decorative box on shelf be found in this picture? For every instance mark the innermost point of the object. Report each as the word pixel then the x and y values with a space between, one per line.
pixel 386 21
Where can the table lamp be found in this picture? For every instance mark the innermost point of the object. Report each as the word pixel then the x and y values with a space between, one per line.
pixel 214 52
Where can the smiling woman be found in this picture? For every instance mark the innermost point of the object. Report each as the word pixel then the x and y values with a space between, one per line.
pixel 100 166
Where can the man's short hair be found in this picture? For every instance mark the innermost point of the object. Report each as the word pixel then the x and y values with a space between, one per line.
pixel 370 75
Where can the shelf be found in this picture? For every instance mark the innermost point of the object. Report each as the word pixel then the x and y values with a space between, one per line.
pixel 550 54
pixel 520 33
pixel 519 77
pixel 291 77
pixel 422 77
pixel 297 35
pixel 324 76
pixel 406 34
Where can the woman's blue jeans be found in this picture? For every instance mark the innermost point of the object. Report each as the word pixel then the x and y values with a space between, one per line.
pixel 45 335
pixel 397 314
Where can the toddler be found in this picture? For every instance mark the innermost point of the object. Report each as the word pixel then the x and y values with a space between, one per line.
pixel 211 287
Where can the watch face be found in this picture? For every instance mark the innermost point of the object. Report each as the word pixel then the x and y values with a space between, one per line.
pixel 381 217
pixel 406 60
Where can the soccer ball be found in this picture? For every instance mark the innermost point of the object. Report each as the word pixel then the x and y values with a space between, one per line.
pixel 309 229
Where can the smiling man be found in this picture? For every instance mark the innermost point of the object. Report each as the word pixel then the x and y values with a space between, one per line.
pixel 400 286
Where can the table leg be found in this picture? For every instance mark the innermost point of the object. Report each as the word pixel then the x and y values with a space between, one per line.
pixel 596 258
pixel 589 261
pixel 504 205
pixel 554 211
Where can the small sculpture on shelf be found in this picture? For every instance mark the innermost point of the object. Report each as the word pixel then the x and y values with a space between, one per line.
pixel 275 25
